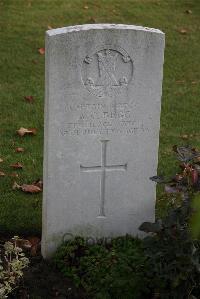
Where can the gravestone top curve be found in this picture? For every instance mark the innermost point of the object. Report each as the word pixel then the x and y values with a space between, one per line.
pixel 69 29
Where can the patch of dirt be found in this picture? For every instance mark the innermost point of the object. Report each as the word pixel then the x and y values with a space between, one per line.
pixel 43 281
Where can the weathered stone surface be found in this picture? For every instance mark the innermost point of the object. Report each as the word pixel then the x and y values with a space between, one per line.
pixel 102 112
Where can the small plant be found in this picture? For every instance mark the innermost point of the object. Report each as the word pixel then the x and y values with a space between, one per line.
pixel 118 269
pixel 12 263
pixel 187 180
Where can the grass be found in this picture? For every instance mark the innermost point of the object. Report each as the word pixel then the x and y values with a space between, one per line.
pixel 22 27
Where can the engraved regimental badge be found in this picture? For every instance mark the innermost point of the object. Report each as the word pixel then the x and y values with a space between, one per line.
pixel 107 72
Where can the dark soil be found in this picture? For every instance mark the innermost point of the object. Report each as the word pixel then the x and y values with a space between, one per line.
pixel 42 281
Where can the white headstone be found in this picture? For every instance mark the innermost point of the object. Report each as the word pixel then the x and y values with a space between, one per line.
pixel 102 114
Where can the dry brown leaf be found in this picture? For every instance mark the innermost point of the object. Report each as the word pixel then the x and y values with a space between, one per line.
pixel 31 244
pixel 35 245
pixel 180 81
pixel 33 240
pixel 17 165
pixel 2 173
pixel 184 136
pixel 32 131
pixel 23 243
pixel 19 150
pixel 16 186
pixel 34 250
pixel 183 31
pixel 85 7
pixel 23 131
pixel 38 183
pixel 14 175
pixel 29 99
pixel 188 11
pixel 1 160
pixel 49 27
pixel 30 188
pixel 41 51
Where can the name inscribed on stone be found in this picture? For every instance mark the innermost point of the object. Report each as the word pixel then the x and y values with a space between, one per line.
pixel 101 119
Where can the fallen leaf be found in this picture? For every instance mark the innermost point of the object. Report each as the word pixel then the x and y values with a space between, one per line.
pixel 33 240
pixel 41 51
pixel 1 160
pixel 16 186
pixel 49 27
pixel 32 244
pixel 14 175
pixel 19 150
pixel 38 183
pixel 17 165
pixel 183 31
pixel 180 81
pixel 184 136
pixel 35 245
pixel 2 173
pixel 194 82
pixel 85 7
pixel 32 131
pixel 30 188
pixel 29 99
pixel 23 131
pixel 188 11
pixel 23 243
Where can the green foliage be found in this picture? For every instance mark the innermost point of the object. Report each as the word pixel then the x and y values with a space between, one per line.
pixel 12 263
pixel 118 269
pixel 188 178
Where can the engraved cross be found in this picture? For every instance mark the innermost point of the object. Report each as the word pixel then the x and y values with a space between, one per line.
pixel 102 169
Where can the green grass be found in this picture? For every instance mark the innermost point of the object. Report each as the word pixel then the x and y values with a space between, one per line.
pixel 22 28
